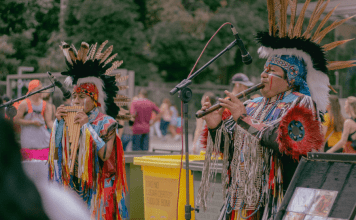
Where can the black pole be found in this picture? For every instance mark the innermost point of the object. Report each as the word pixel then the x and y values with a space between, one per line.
pixel 186 95
pixel 188 206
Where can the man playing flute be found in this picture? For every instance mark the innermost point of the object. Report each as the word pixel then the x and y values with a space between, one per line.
pixel 262 141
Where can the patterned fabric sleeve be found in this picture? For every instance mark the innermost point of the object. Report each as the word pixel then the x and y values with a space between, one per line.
pixel 108 132
pixel 97 139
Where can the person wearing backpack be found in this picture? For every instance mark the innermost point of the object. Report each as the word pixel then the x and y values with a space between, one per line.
pixel 34 116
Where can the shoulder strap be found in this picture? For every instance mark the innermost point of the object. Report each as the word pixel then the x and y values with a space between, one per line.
pixel 43 107
pixel 352 133
pixel 29 106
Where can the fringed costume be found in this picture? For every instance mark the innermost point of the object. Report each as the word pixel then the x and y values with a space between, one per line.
pixel 101 184
pixel 262 148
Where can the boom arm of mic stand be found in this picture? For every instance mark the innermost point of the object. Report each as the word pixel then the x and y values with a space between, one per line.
pixel 25 96
pixel 188 81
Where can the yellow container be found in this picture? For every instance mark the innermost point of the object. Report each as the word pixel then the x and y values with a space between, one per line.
pixel 160 186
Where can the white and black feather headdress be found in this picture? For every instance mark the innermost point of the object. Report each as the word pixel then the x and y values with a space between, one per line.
pixel 88 65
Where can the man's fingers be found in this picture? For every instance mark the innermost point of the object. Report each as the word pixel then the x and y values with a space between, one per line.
pixel 61 109
pixel 206 105
pixel 77 117
pixel 225 105
pixel 226 101
pixel 221 110
pixel 232 96
pixel 80 114
pixel 77 120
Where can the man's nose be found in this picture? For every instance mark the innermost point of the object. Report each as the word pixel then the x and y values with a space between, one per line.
pixel 264 74
pixel 76 100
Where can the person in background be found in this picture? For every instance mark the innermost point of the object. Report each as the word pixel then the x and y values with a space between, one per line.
pixel 179 124
pixel 142 109
pixel 5 99
pixel 155 123
pixel 34 116
pixel 166 116
pixel 332 127
pixel 172 127
pixel 17 127
pixel 200 125
pixel 21 198
pixel 348 137
pixel 27 203
pixel 241 82
pixel 46 96
pixel 125 133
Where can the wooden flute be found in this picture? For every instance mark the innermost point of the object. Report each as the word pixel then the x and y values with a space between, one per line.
pixel 248 91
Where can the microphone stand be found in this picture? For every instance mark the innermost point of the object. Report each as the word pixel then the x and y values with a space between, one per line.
pixel 185 94
pixel 11 110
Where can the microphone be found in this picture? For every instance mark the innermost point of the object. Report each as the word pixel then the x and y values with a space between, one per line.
pixel 246 57
pixel 64 90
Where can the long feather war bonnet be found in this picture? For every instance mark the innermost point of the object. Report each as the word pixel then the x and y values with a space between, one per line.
pixel 300 53
pixel 88 65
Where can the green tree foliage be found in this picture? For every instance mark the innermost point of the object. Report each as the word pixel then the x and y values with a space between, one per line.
pixel 7 64
pixel 159 39
pixel 248 19
pixel 117 21
pixel 180 29
pixel 26 26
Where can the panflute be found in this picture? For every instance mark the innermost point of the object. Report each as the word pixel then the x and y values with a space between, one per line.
pixel 73 131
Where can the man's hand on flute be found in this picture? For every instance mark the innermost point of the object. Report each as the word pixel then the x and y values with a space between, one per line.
pixel 213 119
pixel 235 106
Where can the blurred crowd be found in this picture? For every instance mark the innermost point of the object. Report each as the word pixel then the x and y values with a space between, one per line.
pixel 149 120
pixel 35 116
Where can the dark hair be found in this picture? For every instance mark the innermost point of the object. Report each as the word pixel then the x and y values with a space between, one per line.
pixel 143 92
pixel 125 107
pixel 212 97
pixel 5 98
pixel 19 197
pixel 335 113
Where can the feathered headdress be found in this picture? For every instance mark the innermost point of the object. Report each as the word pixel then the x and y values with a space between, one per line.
pixel 88 66
pixel 300 54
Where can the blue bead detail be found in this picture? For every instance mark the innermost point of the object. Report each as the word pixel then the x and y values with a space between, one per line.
pixel 296 130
